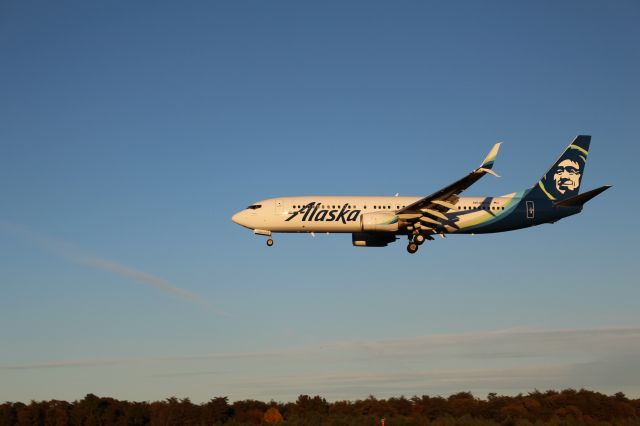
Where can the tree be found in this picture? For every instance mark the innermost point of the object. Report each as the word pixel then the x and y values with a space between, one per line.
pixel 217 410
pixel 272 416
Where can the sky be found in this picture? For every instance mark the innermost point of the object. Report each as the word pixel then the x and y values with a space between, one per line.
pixel 131 132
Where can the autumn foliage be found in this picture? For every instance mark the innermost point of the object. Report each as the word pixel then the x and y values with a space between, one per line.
pixel 568 407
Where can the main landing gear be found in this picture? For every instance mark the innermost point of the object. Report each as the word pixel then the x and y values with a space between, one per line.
pixel 415 241
pixel 269 242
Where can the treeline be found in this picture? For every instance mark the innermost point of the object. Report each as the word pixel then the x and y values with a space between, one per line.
pixel 568 407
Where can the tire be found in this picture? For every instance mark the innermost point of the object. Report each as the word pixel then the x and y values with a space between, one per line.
pixel 419 239
pixel 269 242
pixel 412 248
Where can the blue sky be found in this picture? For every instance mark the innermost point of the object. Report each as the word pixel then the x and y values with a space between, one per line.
pixel 132 131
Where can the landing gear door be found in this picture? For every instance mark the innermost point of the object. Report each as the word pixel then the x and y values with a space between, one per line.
pixel 530 210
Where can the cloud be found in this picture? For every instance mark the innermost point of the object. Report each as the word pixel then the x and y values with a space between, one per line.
pixel 615 370
pixel 507 343
pixel 452 379
pixel 189 374
pixel 498 345
pixel 77 255
pixel 503 361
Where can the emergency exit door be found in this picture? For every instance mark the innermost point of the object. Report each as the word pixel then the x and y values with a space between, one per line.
pixel 530 210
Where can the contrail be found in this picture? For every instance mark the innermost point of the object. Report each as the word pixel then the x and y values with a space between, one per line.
pixel 77 255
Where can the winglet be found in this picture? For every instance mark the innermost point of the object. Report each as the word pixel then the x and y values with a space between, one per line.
pixel 491 172
pixel 488 161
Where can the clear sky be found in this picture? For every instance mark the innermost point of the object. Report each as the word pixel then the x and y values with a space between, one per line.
pixel 130 132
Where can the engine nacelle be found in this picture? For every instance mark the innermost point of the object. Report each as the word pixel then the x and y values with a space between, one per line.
pixel 379 221
pixel 372 239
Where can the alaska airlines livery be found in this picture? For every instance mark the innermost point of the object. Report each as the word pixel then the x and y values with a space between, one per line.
pixel 377 221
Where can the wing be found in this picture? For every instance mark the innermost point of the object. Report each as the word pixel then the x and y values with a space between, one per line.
pixel 429 213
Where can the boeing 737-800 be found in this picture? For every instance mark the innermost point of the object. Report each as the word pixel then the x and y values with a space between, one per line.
pixel 377 221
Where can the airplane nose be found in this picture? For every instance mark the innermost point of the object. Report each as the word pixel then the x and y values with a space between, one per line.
pixel 236 218
pixel 242 218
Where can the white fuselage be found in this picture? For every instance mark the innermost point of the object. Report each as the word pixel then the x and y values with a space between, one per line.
pixel 344 213
pixel 378 221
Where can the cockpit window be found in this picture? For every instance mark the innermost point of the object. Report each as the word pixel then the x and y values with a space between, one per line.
pixel 255 206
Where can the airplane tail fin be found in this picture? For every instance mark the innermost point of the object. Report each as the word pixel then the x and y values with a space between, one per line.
pixel 562 180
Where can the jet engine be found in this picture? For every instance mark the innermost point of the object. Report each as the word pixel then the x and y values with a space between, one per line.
pixel 372 239
pixel 379 221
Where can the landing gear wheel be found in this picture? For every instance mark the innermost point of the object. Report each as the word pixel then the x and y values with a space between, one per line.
pixel 412 247
pixel 419 239
pixel 269 242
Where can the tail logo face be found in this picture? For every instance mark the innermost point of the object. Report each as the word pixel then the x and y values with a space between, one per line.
pixel 567 176
pixel 563 179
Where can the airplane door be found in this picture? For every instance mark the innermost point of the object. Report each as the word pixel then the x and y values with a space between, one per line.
pixel 530 210
pixel 278 205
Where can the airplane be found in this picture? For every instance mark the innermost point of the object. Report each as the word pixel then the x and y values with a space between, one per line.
pixel 378 221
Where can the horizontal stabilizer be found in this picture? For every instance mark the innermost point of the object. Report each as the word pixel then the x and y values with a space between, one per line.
pixel 580 200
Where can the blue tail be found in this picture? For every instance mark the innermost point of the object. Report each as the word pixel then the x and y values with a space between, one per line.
pixel 563 179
